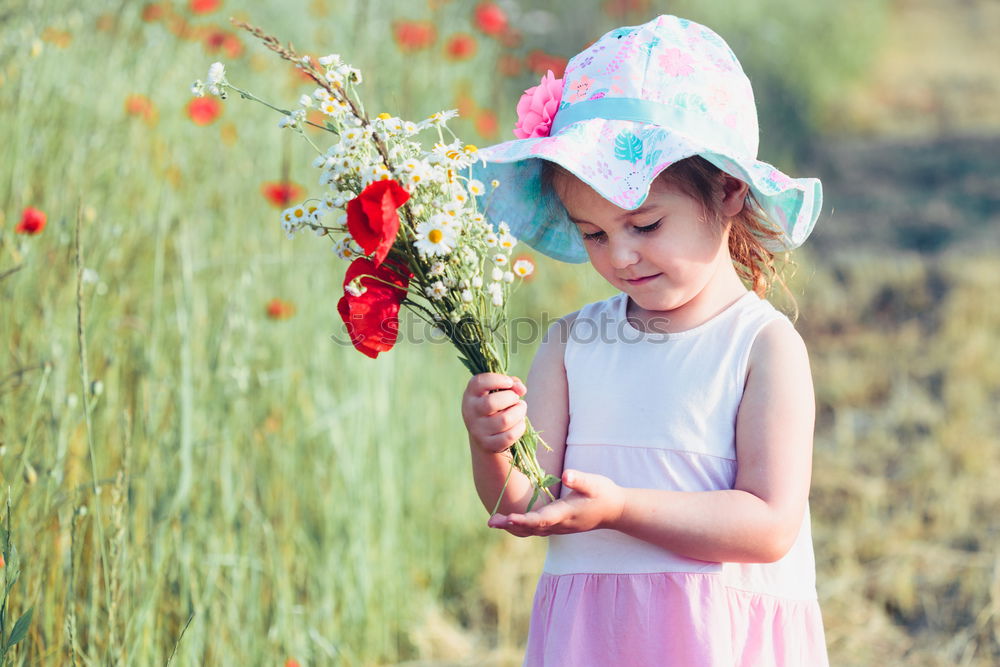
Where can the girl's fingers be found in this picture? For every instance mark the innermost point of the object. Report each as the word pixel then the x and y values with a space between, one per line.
pixel 497 401
pixel 505 420
pixel 482 384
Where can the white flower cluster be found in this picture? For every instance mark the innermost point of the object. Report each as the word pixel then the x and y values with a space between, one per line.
pixel 215 83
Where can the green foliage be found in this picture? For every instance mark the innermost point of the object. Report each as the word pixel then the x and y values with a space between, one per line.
pixel 248 489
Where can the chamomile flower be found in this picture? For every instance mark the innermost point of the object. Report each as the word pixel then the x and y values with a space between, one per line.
pixel 355 288
pixel 436 290
pixel 437 269
pixel 410 128
pixel 476 188
pixel 507 242
pixel 492 240
pixel 434 239
pixel 345 250
pixel 500 259
pixel 332 60
pixel 524 267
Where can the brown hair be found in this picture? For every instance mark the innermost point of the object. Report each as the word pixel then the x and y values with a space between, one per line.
pixel 749 229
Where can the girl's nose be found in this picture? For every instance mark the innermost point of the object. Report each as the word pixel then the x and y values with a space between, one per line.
pixel 622 253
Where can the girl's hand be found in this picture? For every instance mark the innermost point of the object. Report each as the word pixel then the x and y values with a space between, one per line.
pixel 595 502
pixel 493 410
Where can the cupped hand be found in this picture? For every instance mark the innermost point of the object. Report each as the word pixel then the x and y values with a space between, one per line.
pixel 594 502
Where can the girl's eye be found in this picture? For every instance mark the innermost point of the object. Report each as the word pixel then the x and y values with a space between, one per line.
pixel 649 228
pixel 599 236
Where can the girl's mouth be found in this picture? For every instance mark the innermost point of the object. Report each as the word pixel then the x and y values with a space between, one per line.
pixel 642 281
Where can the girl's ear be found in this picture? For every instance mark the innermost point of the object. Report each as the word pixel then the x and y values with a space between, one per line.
pixel 734 195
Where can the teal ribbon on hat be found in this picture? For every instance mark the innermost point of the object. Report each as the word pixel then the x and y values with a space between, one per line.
pixel 697 127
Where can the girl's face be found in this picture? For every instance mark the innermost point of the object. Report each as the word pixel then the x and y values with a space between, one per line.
pixel 666 253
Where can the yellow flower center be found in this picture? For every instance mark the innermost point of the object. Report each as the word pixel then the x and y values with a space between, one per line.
pixel 435 236
pixel 469 148
pixel 298 213
pixel 384 116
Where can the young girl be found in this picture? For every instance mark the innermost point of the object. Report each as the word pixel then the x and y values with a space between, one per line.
pixel 680 411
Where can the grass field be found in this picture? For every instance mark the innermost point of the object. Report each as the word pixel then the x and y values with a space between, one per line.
pixel 193 481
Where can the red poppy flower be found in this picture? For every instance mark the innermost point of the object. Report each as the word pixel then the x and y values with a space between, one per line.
pixel 281 193
pixel 490 19
pixel 373 218
pixel 540 62
pixel 140 105
pixel 204 6
pixel 278 309
pixel 372 317
pixel 32 221
pixel 460 46
pixel 465 104
pixel 487 124
pixel 214 39
pixel 291 662
pixel 509 65
pixel 232 45
pixel 154 11
pixel 511 38
pixel 622 8
pixel 204 110
pixel 414 35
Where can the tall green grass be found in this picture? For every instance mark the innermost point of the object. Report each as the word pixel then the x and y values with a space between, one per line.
pixel 221 488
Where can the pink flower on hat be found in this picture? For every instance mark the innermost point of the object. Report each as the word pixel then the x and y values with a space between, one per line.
pixel 537 108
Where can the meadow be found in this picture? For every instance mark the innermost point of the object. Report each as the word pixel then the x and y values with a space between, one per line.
pixel 197 469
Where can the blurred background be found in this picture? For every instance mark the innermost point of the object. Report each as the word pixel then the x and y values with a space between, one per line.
pixel 195 470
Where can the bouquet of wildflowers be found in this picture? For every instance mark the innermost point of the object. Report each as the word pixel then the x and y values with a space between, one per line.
pixel 406 219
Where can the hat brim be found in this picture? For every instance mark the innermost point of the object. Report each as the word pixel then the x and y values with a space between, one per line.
pixel 620 159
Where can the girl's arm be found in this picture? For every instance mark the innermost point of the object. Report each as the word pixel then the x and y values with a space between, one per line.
pixel 756 521
pixel 494 416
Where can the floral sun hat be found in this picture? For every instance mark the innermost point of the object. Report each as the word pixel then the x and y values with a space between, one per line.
pixel 636 101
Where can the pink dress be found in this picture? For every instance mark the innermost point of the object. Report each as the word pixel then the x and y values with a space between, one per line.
pixel 659 411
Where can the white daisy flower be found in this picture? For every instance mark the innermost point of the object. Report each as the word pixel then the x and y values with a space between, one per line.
pixel 507 242
pixel 500 259
pixel 410 128
pixel 332 60
pixel 433 238
pixel 524 267
pixel 476 188
pixel 492 240
pixel 355 288
pixel 436 290
pixel 345 250
pixel 503 227
pixel 495 183
pixel 437 269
